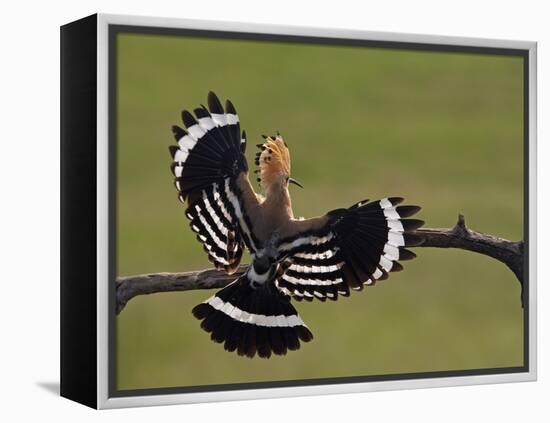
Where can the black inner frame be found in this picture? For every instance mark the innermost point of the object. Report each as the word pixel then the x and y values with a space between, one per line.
pixel 114 30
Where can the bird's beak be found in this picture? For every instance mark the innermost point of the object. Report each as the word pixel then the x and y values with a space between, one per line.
pixel 295 182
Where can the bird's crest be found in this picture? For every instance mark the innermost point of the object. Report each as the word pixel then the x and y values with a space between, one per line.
pixel 273 160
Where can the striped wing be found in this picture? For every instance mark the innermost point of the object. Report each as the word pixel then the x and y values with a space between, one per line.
pixel 210 172
pixel 354 247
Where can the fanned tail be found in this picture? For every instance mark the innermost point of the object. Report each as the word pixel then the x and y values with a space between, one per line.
pixel 252 321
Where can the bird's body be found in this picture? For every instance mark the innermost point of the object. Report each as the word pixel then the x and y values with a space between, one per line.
pixel 273 220
pixel 322 257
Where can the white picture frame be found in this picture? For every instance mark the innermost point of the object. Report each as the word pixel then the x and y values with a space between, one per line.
pixel 97 392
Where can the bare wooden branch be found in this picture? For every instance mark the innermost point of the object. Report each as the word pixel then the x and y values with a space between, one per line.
pixel 508 252
pixel 127 287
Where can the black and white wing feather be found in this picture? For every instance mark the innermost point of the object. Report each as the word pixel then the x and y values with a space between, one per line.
pixel 352 247
pixel 210 172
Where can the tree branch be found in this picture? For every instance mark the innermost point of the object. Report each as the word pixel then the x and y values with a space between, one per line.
pixel 127 287
pixel 508 252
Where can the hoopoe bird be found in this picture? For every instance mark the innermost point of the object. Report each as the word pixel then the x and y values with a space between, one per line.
pixel 301 259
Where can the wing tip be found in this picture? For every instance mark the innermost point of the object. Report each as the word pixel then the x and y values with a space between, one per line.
pixel 229 107
pixel 214 103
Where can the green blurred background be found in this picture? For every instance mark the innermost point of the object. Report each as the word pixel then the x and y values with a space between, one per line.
pixel 443 130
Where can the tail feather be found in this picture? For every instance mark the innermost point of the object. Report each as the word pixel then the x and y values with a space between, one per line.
pixel 252 321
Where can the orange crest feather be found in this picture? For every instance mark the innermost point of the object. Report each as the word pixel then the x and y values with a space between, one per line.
pixel 273 161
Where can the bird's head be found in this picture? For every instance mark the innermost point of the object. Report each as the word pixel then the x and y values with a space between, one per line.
pixel 273 163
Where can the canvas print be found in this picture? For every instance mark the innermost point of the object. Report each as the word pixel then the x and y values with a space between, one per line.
pixel 293 211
